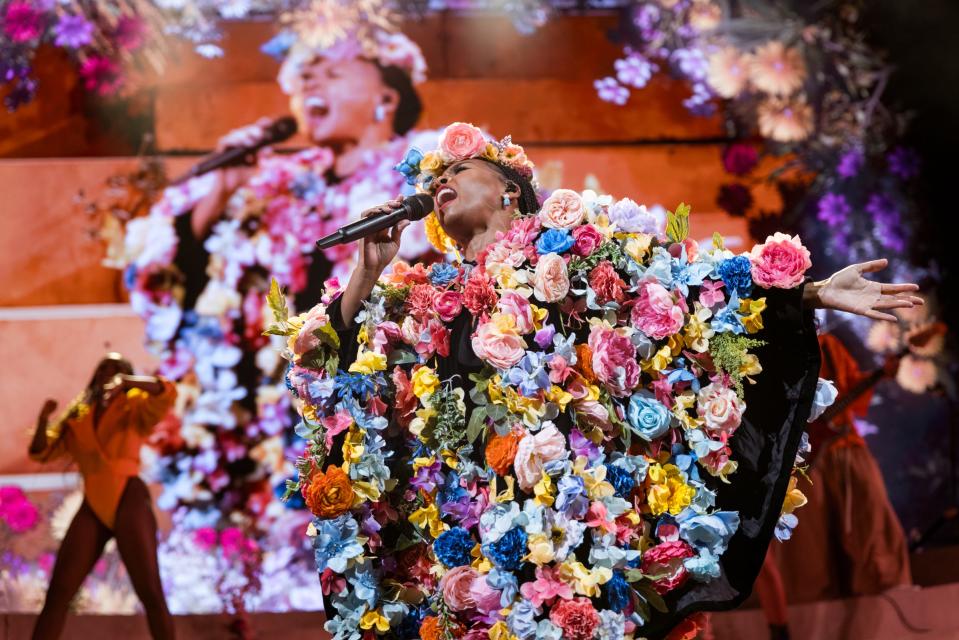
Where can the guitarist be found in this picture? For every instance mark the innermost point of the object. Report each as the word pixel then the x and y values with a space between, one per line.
pixel 849 541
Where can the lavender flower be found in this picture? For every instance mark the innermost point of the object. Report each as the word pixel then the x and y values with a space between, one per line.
pixel 634 70
pixel 850 163
pixel 886 221
pixel 73 32
pixel 690 63
pixel 903 163
pixel 833 209
pixel 610 90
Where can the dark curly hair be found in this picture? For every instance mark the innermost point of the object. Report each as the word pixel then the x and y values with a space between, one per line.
pixel 528 202
pixel 409 107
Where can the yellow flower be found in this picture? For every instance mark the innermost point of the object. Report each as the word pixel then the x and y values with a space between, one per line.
pixel 698 332
pixel 353 446
pixel 436 235
pixel 752 310
pixel 491 152
pixel 750 365
pixel 364 491
pixel 428 517
pixel 559 396
pixel 431 162
pixel 419 463
pixel 544 491
pixel 584 581
pixel 794 497
pixel 368 362
pixel 376 619
pixel 539 315
pixel 541 550
pixel 500 631
pixel 659 361
pixel 481 563
pixel 668 491
pixel 504 496
pixel 425 382
pixel 594 480
pixel 637 247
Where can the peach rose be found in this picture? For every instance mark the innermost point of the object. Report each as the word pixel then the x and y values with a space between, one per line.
pixel 457 585
pixel 518 307
pixel 551 280
pixel 534 451
pixel 721 408
pixel 779 262
pixel 564 209
pixel 462 140
pixel 502 349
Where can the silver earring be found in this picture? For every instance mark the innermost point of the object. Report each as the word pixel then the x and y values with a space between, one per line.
pixel 505 200
pixel 379 113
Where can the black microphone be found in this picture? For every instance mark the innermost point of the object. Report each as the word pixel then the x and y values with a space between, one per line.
pixel 279 130
pixel 415 207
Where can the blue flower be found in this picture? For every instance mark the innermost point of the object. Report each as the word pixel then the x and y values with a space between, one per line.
pixel 727 319
pixel 409 166
pixel 522 620
pixel 648 417
pixel 736 274
pixel 453 547
pixel 356 384
pixel 443 273
pixel 572 499
pixel 508 551
pixel 554 241
pixel 335 543
pixel 617 592
pixel 711 532
pixel 278 46
pixel 530 375
pixel 505 582
pixel 409 629
pixel 704 567
pixel 621 479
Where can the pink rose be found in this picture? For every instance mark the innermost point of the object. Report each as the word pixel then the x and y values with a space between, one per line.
pixel 462 140
pixel 518 307
pixel 667 558
pixel 656 313
pixel 16 509
pixel 457 585
pixel 305 340
pixel 550 280
pixel 487 598
pixel 720 407
pixel 448 305
pixel 588 239
pixel 479 296
pixel 564 209
pixel 607 284
pixel 534 451
pixel 592 413
pixel 577 618
pixel 500 349
pixel 205 538
pixel 779 262
pixel 614 360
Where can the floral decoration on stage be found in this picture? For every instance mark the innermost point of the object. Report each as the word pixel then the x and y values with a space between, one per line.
pixel 576 473
pixel 803 93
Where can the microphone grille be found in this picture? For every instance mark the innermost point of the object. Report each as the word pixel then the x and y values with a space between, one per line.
pixel 281 129
pixel 419 205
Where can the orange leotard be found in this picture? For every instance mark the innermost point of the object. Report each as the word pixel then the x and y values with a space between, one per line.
pixel 108 452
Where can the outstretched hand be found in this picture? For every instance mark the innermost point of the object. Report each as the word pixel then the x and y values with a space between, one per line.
pixel 847 290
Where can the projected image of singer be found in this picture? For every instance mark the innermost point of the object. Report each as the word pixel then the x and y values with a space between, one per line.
pixel 198 266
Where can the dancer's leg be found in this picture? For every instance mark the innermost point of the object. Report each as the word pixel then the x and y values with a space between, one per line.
pixel 136 532
pixel 79 551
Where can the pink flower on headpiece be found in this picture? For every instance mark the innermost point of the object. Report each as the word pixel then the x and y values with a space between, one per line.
pixel 564 209
pixel 518 307
pixel 779 262
pixel 462 140
pixel 534 451
pixel 457 587
pixel 656 313
pixel 667 558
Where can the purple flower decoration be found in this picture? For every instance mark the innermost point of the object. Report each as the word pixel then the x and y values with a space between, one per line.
pixel 73 32
pixel 886 221
pixel 735 199
pixel 700 103
pixel 22 22
pixel 101 74
pixel 582 446
pixel 833 209
pixel 634 70
pixel 690 63
pixel 903 163
pixel 850 163
pixel 130 33
pixel 610 90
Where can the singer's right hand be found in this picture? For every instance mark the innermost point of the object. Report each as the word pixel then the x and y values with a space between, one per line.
pixel 227 180
pixel 378 250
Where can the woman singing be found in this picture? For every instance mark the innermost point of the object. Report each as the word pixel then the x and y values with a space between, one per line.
pixel 102 431
pixel 583 430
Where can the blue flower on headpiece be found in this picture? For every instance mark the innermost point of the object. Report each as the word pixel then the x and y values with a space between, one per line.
pixel 279 45
pixel 736 273
pixel 442 273
pixel 508 551
pixel 335 543
pixel 554 241
pixel 648 417
pixel 409 166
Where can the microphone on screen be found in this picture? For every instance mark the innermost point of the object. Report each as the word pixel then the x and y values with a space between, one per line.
pixel 279 130
pixel 415 207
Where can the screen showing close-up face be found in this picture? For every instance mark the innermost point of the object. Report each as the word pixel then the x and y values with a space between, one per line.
pixel 482 320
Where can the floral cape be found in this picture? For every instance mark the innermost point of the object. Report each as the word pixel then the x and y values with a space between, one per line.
pixel 222 450
pixel 569 482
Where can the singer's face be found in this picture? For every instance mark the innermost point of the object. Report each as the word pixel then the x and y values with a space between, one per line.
pixel 467 195
pixel 335 100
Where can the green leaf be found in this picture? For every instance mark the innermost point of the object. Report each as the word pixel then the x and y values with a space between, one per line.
pixel 402 356
pixel 291 488
pixel 277 302
pixel 649 594
pixel 328 336
pixel 496 411
pixel 477 424
pixel 677 224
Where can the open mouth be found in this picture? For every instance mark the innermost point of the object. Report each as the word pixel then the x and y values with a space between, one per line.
pixel 316 107
pixel 444 196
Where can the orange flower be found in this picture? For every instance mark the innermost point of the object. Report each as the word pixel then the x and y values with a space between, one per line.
pixel 328 494
pixel 432 629
pixel 501 451
pixel 584 361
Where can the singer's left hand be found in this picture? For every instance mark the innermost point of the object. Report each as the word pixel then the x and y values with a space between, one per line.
pixel 378 250
pixel 847 290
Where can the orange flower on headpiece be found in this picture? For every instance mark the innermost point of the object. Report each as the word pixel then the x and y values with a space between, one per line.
pixel 501 451
pixel 328 494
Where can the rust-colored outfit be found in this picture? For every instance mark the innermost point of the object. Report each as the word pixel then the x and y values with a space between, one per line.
pixel 849 540
pixel 108 451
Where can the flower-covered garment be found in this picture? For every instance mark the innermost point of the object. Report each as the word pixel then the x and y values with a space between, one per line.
pixel 202 300
pixel 554 442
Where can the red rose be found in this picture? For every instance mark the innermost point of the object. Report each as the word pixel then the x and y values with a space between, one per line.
pixel 606 283
pixel 479 296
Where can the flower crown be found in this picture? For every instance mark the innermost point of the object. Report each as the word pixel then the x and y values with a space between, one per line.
pixel 459 141
pixel 387 48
